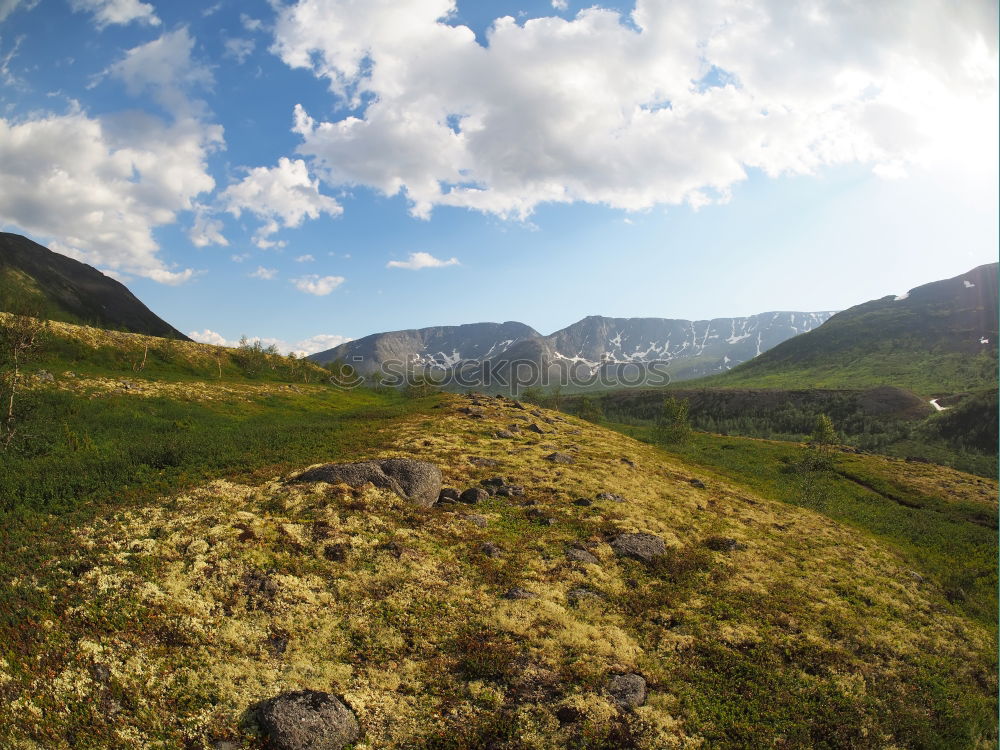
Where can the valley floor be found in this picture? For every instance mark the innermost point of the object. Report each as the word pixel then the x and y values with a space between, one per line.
pixel 163 577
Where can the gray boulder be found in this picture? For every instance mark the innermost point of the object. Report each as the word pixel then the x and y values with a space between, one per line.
pixel 488 463
pixel 448 495
pixel 474 495
pixel 560 458
pixel 307 720
pixel 611 496
pixel 581 556
pixel 643 547
pixel 416 481
pixel 627 690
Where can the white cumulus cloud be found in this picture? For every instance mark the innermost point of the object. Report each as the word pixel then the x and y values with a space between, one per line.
pixel 672 103
pixel 96 187
pixel 318 343
pixel 416 261
pixel 208 336
pixel 107 12
pixel 307 258
pixel 316 284
pixel 206 231
pixel 284 195
pixel 264 273
pixel 239 49
pixel 165 67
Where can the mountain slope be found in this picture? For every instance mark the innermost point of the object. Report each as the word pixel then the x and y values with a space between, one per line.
pixel 687 348
pixel 64 289
pixel 939 337
pixel 440 346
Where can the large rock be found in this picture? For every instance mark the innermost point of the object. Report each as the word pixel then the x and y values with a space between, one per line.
pixel 416 481
pixel 644 547
pixel 307 720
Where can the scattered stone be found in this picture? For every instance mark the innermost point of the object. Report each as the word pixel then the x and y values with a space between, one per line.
pixel 578 594
pixel 583 502
pixel 642 547
pixel 721 543
pixel 226 745
pixel 307 720
pixel 504 434
pixel 518 593
pixel 539 515
pixel 627 461
pixel 416 481
pixel 698 483
pixel 490 550
pixel 471 412
pixel 560 458
pixel 498 486
pixel 45 376
pixel 537 413
pixel 612 497
pixel 100 673
pixel 914 575
pixel 581 556
pixel 474 495
pixel 627 690
pixel 515 428
pixel 519 405
pixel 448 495
pixel 335 552
pixel 536 429
pixel 477 519
pixel 487 463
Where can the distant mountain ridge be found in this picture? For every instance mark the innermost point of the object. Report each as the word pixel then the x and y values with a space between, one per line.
pixel 63 289
pixel 688 348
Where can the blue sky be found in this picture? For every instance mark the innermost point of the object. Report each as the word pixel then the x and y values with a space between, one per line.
pixel 323 169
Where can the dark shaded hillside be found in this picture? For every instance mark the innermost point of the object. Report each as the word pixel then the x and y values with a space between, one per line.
pixel 63 289
pixel 723 404
pixel 883 419
pixel 939 338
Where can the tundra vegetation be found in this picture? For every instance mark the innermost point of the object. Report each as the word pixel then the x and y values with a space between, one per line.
pixel 164 573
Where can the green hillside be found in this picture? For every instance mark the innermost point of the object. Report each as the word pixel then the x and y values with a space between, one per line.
pixel 940 338
pixel 37 281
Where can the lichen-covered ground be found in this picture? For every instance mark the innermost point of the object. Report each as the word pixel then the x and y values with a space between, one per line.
pixel 184 614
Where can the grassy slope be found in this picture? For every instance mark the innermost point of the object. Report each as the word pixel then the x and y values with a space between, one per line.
pixel 813 634
pixel 943 521
pixel 929 374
